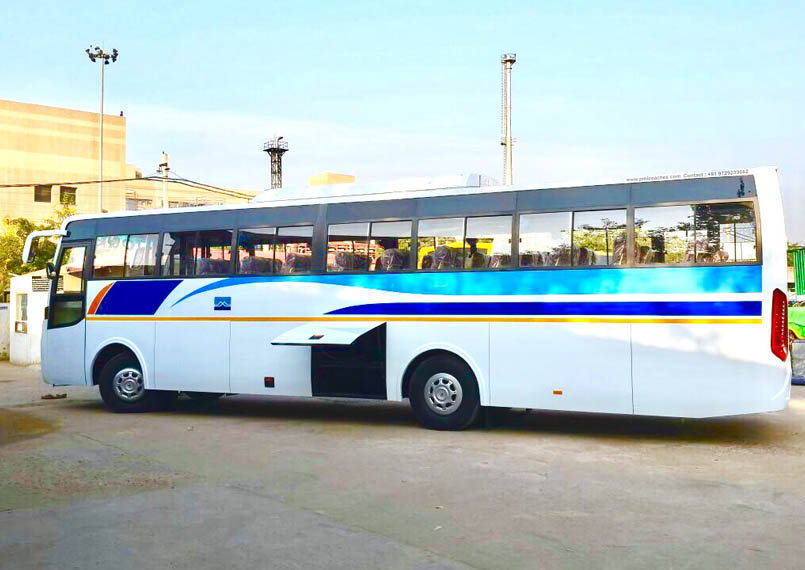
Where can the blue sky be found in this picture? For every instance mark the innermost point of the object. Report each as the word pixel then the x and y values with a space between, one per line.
pixel 388 90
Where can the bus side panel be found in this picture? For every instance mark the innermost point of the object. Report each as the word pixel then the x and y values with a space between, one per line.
pixel 702 370
pixel 254 360
pixel 561 366
pixel 192 356
pixel 406 340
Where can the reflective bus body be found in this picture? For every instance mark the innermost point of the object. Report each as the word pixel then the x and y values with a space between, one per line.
pixel 648 298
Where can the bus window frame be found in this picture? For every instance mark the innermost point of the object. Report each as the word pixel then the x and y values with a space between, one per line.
pixel 313 250
pixel 758 233
pixel 89 255
pixel 514 215
pixel 157 262
pixel 232 243
pixel 411 260
pixel 322 222
pixel 237 272
pixel 411 268
pixel 630 234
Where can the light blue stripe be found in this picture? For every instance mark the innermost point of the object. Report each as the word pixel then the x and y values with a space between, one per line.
pixel 624 281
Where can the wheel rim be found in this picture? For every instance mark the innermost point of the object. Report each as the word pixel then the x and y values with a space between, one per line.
pixel 128 385
pixel 443 393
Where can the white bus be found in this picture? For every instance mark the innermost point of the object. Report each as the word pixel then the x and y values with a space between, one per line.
pixel 661 297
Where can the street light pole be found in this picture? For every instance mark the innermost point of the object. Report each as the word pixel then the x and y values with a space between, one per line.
pixel 96 53
pixel 100 148
pixel 163 167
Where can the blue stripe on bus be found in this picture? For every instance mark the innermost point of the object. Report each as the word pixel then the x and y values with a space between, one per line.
pixel 598 308
pixel 136 297
pixel 625 281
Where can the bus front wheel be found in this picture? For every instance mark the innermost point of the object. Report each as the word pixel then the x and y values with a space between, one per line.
pixel 122 387
pixel 444 393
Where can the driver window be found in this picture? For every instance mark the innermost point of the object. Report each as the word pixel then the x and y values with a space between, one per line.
pixel 71 270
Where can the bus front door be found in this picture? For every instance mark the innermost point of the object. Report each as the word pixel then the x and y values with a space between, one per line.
pixel 63 340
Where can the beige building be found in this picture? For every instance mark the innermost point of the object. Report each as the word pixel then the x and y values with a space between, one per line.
pixel 49 147
pixel 326 178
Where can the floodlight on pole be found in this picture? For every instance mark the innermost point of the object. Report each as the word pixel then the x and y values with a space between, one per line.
pixel 507 61
pixel 95 53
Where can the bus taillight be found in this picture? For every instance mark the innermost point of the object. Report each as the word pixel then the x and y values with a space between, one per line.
pixel 779 324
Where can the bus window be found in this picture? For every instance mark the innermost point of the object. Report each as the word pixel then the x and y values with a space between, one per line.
pixel 545 239
pixel 294 250
pixel 347 247
pixel 599 238
pixel 110 255
pixel 440 244
pixel 141 254
pixel 71 271
pixel 206 252
pixel 663 234
pixel 488 244
pixel 67 304
pixel 256 251
pixel 125 256
pixel 725 233
pixel 390 246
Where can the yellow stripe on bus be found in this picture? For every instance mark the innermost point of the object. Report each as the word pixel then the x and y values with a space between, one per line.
pixel 671 320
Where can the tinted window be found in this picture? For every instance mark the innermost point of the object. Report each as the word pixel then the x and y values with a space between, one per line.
pixel 141 255
pixel 71 270
pixel 206 252
pixel 545 239
pixel 725 233
pixel 65 308
pixel 294 249
pixel 110 256
pixel 125 256
pixel 390 246
pixel 440 244
pixel 256 251
pixel 488 244
pixel 348 247
pixel 664 234
pixel 599 238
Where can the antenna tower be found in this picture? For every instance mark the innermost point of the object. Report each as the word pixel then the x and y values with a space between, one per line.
pixel 275 148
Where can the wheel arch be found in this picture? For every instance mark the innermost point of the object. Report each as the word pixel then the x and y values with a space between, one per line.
pixel 111 348
pixel 452 352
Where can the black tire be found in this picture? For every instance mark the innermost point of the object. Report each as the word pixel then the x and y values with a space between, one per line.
pixel 203 396
pixel 139 400
pixel 437 384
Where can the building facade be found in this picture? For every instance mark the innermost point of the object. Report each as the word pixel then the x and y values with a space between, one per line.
pixel 50 147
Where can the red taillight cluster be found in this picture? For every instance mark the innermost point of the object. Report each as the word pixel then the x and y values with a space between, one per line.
pixel 779 324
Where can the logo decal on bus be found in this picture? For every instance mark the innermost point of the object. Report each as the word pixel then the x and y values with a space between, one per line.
pixel 223 303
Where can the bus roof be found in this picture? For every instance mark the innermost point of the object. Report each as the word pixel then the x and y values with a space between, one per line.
pixel 408 188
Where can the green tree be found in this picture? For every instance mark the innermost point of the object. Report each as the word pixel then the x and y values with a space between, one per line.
pixel 13 232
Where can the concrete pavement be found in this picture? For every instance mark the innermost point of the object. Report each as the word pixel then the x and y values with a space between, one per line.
pixel 293 483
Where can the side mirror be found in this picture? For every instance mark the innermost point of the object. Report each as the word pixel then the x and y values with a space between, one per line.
pixel 50 270
pixel 32 251
pixel 29 250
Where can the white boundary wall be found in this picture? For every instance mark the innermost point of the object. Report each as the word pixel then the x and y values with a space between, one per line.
pixel 25 347
pixel 4 331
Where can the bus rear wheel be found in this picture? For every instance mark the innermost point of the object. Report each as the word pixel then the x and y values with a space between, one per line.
pixel 444 393
pixel 122 387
